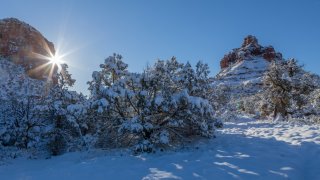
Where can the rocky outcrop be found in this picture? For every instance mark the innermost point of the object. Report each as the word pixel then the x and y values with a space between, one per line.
pixel 25 46
pixel 242 69
pixel 249 49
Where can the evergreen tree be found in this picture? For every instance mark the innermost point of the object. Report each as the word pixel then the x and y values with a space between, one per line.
pixel 286 86
pixel 154 109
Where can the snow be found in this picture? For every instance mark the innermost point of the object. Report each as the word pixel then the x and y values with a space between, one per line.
pixel 164 137
pixel 243 67
pixel 244 76
pixel 10 72
pixel 245 149
pixel 158 100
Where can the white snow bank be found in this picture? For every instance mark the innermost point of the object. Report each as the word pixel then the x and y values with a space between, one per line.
pixel 292 133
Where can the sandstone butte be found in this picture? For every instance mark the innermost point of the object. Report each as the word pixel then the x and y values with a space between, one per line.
pixel 26 46
pixel 250 48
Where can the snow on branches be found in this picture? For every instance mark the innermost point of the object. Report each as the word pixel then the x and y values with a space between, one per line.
pixel 163 106
pixel 287 87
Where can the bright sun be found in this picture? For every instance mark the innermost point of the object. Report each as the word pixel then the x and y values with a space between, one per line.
pixel 56 60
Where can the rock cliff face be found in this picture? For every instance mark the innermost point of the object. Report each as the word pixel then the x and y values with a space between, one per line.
pixel 24 45
pixel 243 68
pixel 250 49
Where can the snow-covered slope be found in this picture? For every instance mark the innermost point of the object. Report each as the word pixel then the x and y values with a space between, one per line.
pixel 246 149
pixel 8 71
pixel 243 68
pixel 4 75
pixel 244 76
pixel 13 78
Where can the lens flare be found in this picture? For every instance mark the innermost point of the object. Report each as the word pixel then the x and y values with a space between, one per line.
pixel 52 63
pixel 56 60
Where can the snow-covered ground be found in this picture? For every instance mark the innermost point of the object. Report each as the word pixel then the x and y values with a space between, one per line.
pixel 242 150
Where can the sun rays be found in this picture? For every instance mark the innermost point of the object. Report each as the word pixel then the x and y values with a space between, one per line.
pixel 51 64
pixel 49 61
pixel 56 60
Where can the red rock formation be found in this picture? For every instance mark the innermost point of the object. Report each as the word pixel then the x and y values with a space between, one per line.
pixel 250 41
pixel 269 53
pixel 26 46
pixel 249 49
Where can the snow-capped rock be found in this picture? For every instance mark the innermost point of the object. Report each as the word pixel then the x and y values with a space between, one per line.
pixel 250 49
pixel 243 68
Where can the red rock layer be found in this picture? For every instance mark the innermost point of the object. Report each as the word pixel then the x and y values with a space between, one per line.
pixel 249 49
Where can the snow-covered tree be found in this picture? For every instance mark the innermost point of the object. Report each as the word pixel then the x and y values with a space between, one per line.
pixel 112 70
pixel 36 113
pixel 286 87
pixel 66 114
pixel 203 81
pixel 154 109
pixel 21 122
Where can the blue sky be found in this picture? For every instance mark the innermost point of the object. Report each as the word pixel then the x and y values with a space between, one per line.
pixel 145 30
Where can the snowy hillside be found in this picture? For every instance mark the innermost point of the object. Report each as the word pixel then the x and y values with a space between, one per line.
pixel 246 149
pixel 13 77
pixel 6 68
pixel 244 76
pixel 242 69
